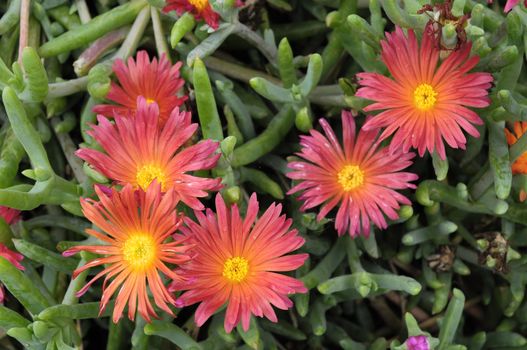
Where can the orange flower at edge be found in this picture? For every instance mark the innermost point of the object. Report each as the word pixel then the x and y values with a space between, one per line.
pixel 520 165
pixel 135 227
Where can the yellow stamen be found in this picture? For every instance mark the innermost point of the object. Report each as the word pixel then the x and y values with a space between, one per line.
pixel 147 174
pixel 139 251
pixel 199 4
pixel 236 269
pixel 350 177
pixel 424 97
pixel 150 101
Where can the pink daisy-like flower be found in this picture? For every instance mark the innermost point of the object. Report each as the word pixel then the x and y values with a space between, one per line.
pixel 238 262
pixel 425 101
pixel 157 82
pixel 139 149
pixel 360 177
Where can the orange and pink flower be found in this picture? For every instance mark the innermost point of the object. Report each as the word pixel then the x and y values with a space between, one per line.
pixel 200 9
pixel 139 150
pixel 237 262
pixel 157 82
pixel 360 177
pixel 137 246
pixel 425 101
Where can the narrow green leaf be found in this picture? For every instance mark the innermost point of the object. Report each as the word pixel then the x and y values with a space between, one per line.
pixel 172 333
pixel 45 257
pixel 22 287
pixel 451 320
pixel 207 111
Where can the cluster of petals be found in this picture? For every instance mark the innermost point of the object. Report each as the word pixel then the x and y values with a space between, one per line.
pixel 200 9
pixel 136 227
pixel 238 262
pixel 148 153
pixel 425 102
pixel 360 176
pixel 138 150
pixel 10 216
pixel 417 342
pixel 158 82
pixel 519 166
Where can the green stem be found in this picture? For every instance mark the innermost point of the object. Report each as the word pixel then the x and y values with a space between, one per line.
pixel 67 88
pixel 75 285
pixel 159 35
pixel 134 36
pixel 69 148
pixel 257 41
pixel 83 11
pixel 236 71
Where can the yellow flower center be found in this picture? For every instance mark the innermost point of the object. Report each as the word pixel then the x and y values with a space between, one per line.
pixel 139 251
pixel 147 174
pixel 236 269
pixel 150 101
pixel 350 177
pixel 199 4
pixel 424 97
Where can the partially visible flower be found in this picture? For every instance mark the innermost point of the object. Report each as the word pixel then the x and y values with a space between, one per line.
pixel 510 4
pixel 200 9
pixel 157 82
pixel 15 259
pixel 139 150
pixel 238 262
pixel 359 176
pixel 426 101
pixel 520 165
pixel 418 342
pixel 136 229
pixel 10 215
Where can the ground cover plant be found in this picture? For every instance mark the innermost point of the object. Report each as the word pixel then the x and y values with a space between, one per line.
pixel 263 174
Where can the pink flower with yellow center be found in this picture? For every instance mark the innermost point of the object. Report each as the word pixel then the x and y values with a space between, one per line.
pixel 360 177
pixel 238 262
pixel 157 82
pixel 200 9
pixel 136 229
pixel 138 150
pixel 425 101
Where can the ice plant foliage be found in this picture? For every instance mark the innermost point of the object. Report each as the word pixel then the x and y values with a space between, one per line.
pixel 200 9
pixel 139 150
pixel 156 81
pixel 360 177
pixel 520 165
pixel 425 101
pixel 136 232
pixel 238 262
